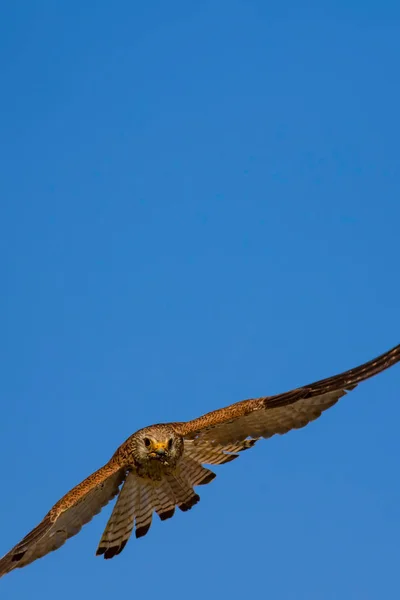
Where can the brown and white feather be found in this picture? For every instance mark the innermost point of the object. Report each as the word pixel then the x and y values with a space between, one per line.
pixel 66 518
pixel 122 519
pixel 269 415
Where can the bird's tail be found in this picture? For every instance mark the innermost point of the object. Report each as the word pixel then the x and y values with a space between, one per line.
pixel 139 498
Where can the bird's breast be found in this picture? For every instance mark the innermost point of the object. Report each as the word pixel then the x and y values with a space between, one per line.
pixel 155 469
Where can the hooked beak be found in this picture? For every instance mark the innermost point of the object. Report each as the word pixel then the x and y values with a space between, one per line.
pixel 161 452
pixel 159 449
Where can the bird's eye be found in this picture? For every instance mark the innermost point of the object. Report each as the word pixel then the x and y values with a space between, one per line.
pixel 146 442
pixel 170 442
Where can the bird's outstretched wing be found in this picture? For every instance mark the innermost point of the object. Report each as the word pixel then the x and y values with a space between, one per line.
pixel 66 517
pixel 266 416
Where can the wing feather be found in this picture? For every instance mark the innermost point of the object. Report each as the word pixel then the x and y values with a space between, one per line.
pixel 267 416
pixel 66 517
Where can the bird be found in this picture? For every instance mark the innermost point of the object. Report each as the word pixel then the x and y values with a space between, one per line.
pixel 157 468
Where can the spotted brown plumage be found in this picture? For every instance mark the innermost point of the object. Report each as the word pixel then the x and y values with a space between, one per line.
pixel 156 468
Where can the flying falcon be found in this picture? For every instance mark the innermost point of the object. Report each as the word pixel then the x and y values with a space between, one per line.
pixel 157 467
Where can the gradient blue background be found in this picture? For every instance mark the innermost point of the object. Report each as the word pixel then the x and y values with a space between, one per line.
pixel 200 203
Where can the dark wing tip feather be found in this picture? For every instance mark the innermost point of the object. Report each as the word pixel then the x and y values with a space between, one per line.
pixel 167 514
pixel 141 531
pixel 17 557
pixel 348 380
pixel 111 552
pixel 209 477
pixel 340 384
pixel 190 503
pixel 12 559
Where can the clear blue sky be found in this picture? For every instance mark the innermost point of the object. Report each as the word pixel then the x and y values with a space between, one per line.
pixel 200 203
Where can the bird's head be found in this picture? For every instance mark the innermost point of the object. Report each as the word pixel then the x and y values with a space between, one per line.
pixel 159 443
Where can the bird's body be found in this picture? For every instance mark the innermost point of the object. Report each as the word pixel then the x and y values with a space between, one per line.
pixel 157 468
